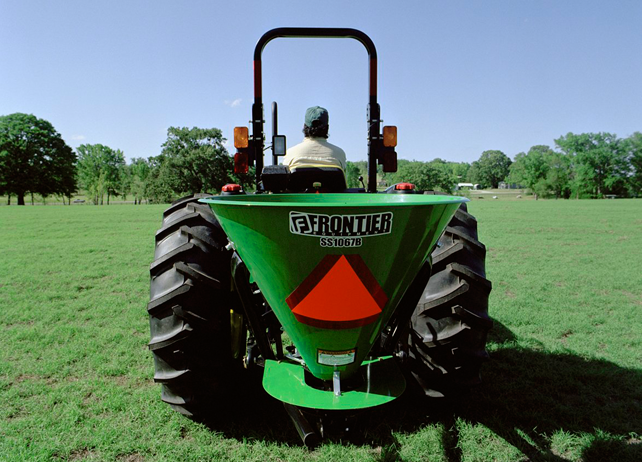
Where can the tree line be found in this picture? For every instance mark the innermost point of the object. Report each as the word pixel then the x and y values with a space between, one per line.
pixel 587 165
pixel 34 159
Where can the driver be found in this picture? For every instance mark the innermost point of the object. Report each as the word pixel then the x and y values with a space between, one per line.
pixel 314 150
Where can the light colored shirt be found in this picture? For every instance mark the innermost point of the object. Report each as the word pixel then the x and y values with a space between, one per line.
pixel 315 152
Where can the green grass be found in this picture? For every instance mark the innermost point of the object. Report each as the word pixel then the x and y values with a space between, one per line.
pixel 564 381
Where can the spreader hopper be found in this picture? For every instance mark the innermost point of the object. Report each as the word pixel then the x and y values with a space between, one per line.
pixel 333 267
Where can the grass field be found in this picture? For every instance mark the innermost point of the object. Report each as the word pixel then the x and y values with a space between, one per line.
pixel 564 381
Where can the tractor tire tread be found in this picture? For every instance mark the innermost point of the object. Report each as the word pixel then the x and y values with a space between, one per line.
pixel 178 204
pixel 189 307
pixel 446 341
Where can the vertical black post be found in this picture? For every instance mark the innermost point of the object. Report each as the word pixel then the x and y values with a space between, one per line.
pixel 257 137
pixel 257 120
pixel 374 128
pixel 275 130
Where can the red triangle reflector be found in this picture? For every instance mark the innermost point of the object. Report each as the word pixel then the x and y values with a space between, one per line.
pixel 340 293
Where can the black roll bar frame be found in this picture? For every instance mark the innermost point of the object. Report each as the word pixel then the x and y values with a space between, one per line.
pixel 373 113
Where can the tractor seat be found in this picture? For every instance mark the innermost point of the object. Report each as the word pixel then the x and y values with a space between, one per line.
pixel 332 179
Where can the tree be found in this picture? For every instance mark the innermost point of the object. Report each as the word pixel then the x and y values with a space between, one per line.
pixel 518 171
pixel 89 171
pixel 114 163
pixel 447 178
pixel 633 149
pixel 100 168
pixel 423 175
pixel 491 168
pixel 459 170
pixel 353 172
pixel 600 164
pixel 531 169
pixel 194 160
pixel 34 158
pixel 139 170
pixel 157 188
pixel 558 177
pixel 126 180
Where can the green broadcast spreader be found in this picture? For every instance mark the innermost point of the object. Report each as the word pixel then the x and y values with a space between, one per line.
pixel 333 267
pixel 338 297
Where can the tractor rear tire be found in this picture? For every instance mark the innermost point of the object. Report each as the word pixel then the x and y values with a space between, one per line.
pixel 447 335
pixel 189 308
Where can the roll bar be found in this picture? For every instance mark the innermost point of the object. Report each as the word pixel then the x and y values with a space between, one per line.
pixel 315 32
pixel 374 119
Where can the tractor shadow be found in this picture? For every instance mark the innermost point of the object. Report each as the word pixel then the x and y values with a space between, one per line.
pixel 247 413
pixel 526 394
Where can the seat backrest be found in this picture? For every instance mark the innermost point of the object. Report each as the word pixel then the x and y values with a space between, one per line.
pixel 332 179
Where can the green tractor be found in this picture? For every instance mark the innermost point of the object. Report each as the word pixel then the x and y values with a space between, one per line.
pixel 337 296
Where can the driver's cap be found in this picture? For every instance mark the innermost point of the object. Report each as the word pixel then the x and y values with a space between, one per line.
pixel 317 116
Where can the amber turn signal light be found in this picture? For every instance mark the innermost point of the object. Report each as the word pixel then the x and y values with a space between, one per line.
pixel 241 137
pixel 390 136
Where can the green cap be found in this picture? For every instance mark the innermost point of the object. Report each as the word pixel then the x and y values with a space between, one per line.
pixel 316 115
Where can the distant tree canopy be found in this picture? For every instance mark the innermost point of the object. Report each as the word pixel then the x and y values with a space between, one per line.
pixel 34 158
pixel 491 168
pixel 100 169
pixel 353 172
pixel 633 149
pixel 600 164
pixel 435 175
pixel 192 160
pixel 139 170
pixel 196 159
pixel 531 170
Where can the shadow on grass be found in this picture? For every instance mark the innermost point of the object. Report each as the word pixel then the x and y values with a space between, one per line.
pixel 530 395
pixel 527 397
pixel 247 413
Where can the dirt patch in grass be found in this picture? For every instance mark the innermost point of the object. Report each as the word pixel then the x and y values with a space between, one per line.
pixel 130 458
pixel 565 336
pixel 20 324
pixel 24 377
pixel 81 454
pixel 637 299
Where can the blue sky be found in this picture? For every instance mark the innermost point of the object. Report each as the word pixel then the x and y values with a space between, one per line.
pixel 456 77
